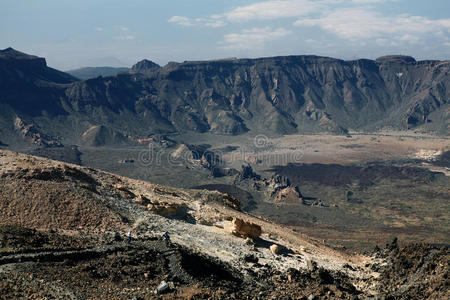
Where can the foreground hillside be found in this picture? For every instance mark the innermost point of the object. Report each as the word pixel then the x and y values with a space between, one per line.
pixel 63 235
pixel 279 95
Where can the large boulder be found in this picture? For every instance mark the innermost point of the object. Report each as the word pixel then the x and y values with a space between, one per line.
pixel 242 228
pixel 276 249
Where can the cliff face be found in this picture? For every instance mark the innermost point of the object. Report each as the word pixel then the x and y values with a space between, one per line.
pixel 20 68
pixel 28 86
pixel 284 94
pixel 280 95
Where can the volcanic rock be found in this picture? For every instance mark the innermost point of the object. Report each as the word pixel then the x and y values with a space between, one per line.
pixel 276 249
pixel 279 188
pixel 32 133
pixel 167 209
pixel 242 228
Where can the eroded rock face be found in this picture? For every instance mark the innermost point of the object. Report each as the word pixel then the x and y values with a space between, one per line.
pixel 245 229
pixel 33 134
pixel 291 193
pixel 167 209
pixel 232 202
pixel 279 188
pixel 143 200
pixel 247 173
pixel 282 95
pixel 124 191
pixel 223 198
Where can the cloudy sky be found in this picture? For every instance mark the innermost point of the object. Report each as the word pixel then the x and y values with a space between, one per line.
pixel 79 33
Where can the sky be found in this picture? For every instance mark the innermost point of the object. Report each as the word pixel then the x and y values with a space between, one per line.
pixel 72 34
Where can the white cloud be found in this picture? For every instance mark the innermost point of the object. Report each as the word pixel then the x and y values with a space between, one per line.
pixel 215 23
pixel 211 22
pixel 124 37
pixel 181 20
pixel 277 9
pixel 273 10
pixel 372 1
pixel 266 10
pixel 253 38
pixel 381 41
pixel 358 21
pixel 124 28
pixel 99 28
pixel 410 38
pixel 362 23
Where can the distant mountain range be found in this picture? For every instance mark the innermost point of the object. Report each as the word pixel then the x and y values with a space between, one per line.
pixel 93 72
pixel 279 95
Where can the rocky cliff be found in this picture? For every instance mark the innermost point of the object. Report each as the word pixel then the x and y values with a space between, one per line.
pixel 281 95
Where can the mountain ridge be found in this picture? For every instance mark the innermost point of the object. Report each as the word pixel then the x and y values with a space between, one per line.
pixel 274 95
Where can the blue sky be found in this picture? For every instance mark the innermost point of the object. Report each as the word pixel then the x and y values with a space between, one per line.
pixel 79 33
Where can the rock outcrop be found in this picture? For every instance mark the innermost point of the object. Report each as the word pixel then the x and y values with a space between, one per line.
pixel 245 229
pixel 247 173
pixel 167 209
pixel 33 134
pixel 279 188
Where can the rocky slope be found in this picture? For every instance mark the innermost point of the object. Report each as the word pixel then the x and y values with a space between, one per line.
pixel 280 95
pixel 63 235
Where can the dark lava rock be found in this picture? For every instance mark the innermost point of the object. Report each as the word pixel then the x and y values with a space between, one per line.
pixel 417 271
pixel 250 258
pixel 248 173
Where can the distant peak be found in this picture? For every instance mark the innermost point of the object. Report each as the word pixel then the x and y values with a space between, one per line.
pixel 10 53
pixel 145 65
pixel 396 58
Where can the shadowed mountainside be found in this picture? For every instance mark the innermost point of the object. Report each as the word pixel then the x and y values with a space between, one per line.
pixel 280 95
